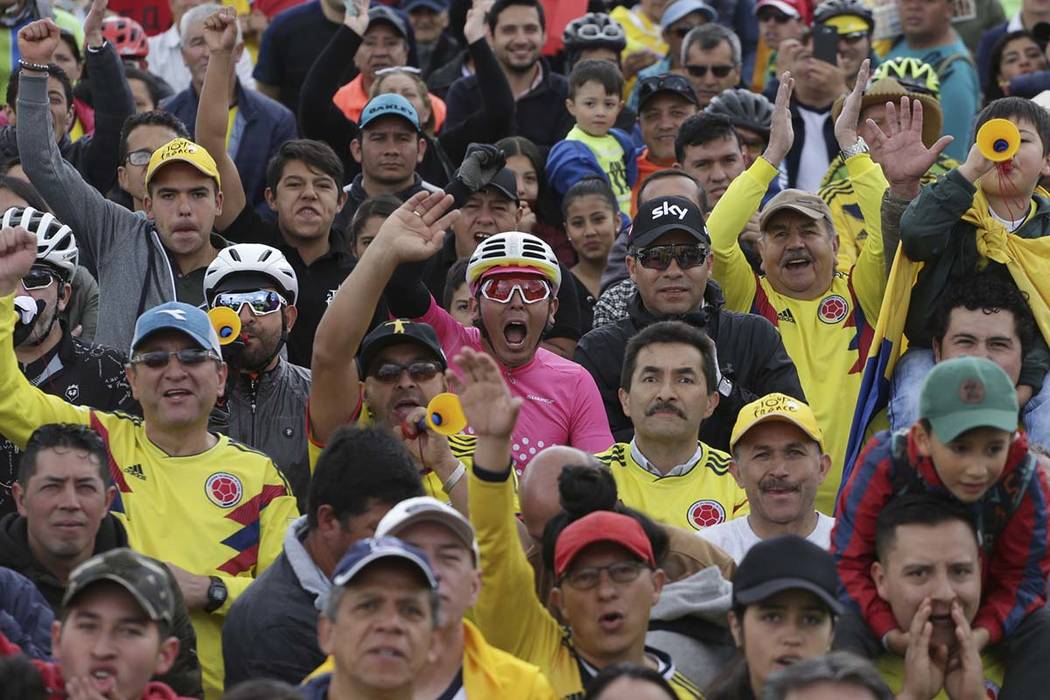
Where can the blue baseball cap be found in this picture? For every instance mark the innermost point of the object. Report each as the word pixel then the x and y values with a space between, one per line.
pixel 174 315
pixel 369 551
pixel 435 5
pixel 679 9
pixel 386 105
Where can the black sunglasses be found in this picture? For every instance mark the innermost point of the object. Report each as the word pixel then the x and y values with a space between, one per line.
pixel 190 357
pixel 659 257
pixel 778 17
pixel 389 372
pixel 37 279
pixel 698 71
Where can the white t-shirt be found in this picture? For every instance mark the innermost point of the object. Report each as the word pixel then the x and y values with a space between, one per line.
pixel 736 536
pixel 813 161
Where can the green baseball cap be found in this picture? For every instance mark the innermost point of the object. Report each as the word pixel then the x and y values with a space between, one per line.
pixel 965 393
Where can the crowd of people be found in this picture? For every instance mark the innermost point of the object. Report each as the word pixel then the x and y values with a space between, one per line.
pixel 524 349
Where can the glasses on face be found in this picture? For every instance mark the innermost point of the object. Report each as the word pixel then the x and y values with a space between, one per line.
pixel 698 71
pixel 37 279
pixel 659 257
pixel 399 69
pixel 390 372
pixel 140 157
pixel 778 17
pixel 191 357
pixel 588 577
pixel 501 290
pixel 262 302
pixel 853 38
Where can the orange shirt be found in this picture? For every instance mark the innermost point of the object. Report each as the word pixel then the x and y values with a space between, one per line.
pixel 646 168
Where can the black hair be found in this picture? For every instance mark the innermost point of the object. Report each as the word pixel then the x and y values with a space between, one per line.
pixel 456 278
pixel 359 467
pixel 989 293
pixel 262 689
pixel 152 118
pixel 671 332
pixel 316 155
pixel 700 129
pixel 547 203
pixel 382 205
pixel 701 194
pixel 583 490
pixel 492 18
pixel 610 674
pixel 991 88
pixel 601 72
pixel 55 71
pixel 1015 109
pixel 585 186
pixel 24 190
pixel 917 509
pixel 20 679
pixel 71 436
pixel 71 41
pixel 156 92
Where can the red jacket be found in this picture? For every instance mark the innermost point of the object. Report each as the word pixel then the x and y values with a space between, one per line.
pixel 1015 551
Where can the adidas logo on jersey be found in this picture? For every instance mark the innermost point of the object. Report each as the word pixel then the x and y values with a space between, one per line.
pixel 786 315
pixel 135 470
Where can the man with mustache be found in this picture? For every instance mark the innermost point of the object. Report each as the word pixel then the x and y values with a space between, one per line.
pixel 667 388
pixel 779 462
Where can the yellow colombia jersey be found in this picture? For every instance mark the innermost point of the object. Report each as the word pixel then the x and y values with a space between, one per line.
pixel 704 496
pixel 827 337
pixel 891 668
pixel 220 513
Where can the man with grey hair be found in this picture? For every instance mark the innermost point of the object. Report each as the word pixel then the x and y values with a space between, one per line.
pixel 260 124
pixel 835 676
pixel 711 57
pixel 165 52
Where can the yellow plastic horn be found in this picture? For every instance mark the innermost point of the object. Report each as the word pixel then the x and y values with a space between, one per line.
pixel 226 322
pixel 445 414
pixel 998 140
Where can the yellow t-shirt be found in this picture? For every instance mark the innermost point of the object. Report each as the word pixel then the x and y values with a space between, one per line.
pixel 891 668
pixel 642 33
pixel 610 155
pixel 705 495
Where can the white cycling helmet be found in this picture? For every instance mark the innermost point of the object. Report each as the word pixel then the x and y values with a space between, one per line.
pixel 252 264
pixel 55 243
pixel 513 251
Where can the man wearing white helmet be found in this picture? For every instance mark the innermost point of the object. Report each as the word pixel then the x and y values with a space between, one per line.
pixel 48 355
pixel 265 401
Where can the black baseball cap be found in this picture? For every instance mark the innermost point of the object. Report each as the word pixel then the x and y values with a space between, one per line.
pixel 786 563
pixel 668 83
pixel 397 332
pixel 506 183
pixel 145 579
pixel 663 215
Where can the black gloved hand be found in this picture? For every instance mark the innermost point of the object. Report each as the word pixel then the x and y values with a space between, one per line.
pixel 480 165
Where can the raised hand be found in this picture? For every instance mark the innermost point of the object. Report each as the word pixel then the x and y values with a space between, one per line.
pixel 846 124
pixel 975 165
pixel 899 149
pixel 93 23
pixel 923 675
pixel 38 40
pixel 416 229
pixel 356 19
pixel 781 133
pixel 220 30
pixel 17 255
pixel 965 677
pixel 474 27
pixel 490 409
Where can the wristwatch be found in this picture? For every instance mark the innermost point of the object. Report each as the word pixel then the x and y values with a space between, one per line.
pixel 856 149
pixel 217 594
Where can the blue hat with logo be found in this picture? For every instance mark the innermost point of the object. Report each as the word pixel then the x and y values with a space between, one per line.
pixel 177 316
pixel 369 551
pixel 388 105
pixel 679 9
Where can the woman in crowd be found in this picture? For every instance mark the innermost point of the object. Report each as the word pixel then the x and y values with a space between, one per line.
pixel 592 220
pixel 1015 54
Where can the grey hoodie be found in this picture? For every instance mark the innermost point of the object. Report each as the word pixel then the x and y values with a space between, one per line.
pixel 134 273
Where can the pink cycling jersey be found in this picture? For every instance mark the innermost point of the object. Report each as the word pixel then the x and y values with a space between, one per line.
pixel 561 406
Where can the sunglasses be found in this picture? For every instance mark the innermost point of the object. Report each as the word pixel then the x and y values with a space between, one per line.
pixel 262 302
pixel 620 572
pixel 659 257
pixel 501 290
pixel 698 71
pixel 37 279
pixel 853 38
pixel 190 357
pixel 140 157
pixel 389 372
pixel 778 17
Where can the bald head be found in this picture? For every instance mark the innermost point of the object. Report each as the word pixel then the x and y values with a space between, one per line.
pixel 538 491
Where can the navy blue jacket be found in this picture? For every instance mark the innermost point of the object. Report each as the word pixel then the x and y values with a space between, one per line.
pixel 25 617
pixel 569 161
pixel 266 125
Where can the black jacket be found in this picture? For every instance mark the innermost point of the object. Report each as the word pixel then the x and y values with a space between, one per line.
pixel 751 357
pixel 442 77
pixel 185 676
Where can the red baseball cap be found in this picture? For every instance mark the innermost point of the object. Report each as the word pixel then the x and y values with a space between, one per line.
pixel 601 526
pixel 791 8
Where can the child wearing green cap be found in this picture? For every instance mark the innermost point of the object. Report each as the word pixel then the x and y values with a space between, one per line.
pixel 966 448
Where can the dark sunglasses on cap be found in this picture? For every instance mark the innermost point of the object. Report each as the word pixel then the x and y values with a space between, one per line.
pixel 140 157
pixel 262 302
pixel 502 289
pixel 38 279
pixel 191 357
pixel 698 71
pixel 659 257
pixel 390 372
